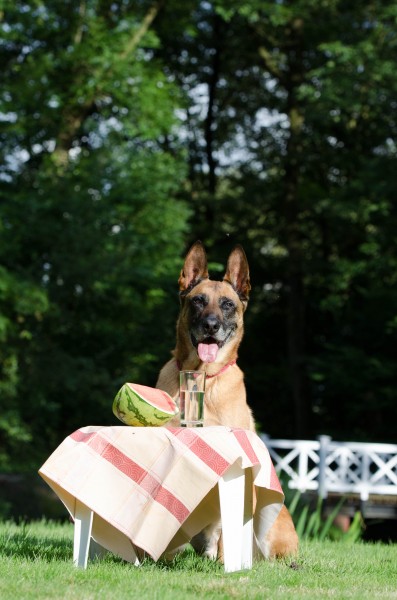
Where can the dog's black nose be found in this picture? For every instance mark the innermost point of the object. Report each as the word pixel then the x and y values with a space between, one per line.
pixel 211 324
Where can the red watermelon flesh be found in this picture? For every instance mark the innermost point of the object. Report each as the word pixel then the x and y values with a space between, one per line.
pixel 155 397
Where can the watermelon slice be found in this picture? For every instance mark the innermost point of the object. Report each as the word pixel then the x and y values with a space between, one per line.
pixel 140 405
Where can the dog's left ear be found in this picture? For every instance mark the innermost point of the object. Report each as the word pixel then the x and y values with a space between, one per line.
pixel 237 273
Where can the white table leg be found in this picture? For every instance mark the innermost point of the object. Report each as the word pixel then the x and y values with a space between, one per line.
pixel 236 515
pixel 248 522
pixel 82 534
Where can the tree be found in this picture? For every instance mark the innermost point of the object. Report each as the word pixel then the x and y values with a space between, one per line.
pixel 92 225
pixel 300 98
pixel 130 129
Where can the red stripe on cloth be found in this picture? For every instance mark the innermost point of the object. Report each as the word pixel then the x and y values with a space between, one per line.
pixel 135 472
pixel 81 436
pixel 244 442
pixel 242 438
pixel 274 480
pixel 201 449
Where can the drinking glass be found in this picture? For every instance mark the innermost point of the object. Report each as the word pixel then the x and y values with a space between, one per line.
pixel 191 397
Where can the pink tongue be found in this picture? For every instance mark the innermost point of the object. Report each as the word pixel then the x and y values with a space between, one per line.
pixel 207 352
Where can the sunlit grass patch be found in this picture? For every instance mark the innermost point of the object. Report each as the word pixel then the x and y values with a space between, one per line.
pixel 36 562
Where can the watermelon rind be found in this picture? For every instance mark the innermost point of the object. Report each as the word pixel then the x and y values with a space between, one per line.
pixel 131 408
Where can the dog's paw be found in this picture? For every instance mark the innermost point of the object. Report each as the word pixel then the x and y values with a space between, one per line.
pixel 206 542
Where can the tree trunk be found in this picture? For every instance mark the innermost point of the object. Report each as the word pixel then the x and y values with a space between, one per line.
pixel 292 209
pixel 210 118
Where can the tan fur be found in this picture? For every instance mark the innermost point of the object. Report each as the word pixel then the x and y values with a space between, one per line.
pixel 225 396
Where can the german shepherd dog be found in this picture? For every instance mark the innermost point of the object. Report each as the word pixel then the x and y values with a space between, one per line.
pixel 209 330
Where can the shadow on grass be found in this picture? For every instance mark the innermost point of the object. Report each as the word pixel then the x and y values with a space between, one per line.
pixel 25 545
pixel 187 560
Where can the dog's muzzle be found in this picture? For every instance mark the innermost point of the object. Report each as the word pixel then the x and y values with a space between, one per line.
pixel 209 336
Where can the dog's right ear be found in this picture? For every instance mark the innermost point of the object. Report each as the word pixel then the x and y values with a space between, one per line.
pixel 195 268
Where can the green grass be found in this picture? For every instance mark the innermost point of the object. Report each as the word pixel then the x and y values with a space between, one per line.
pixel 36 562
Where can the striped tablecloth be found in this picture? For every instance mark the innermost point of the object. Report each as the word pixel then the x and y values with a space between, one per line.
pixel 154 488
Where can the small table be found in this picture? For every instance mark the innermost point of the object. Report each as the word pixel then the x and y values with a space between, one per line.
pixel 136 490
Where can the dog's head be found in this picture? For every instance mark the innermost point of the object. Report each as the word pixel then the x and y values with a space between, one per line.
pixel 211 318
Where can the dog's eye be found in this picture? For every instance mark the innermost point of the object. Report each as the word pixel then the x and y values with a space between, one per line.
pixel 227 304
pixel 198 301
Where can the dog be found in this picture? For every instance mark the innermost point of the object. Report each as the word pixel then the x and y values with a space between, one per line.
pixel 209 331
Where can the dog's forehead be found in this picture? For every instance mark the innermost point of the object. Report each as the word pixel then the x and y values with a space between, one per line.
pixel 214 289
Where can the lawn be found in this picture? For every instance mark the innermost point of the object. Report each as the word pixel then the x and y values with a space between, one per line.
pixel 36 562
